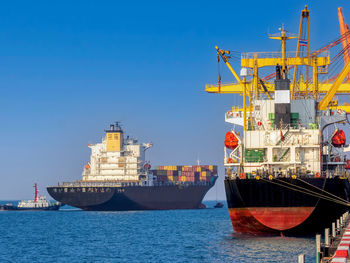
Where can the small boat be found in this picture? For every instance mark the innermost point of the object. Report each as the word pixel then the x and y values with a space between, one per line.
pixel 219 205
pixel 39 203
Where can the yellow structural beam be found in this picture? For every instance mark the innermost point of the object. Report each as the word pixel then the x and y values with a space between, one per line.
pixel 345 108
pixel 323 104
pixel 299 61
pixel 301 88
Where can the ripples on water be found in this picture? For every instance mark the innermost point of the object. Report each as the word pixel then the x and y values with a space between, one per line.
pixel 148 236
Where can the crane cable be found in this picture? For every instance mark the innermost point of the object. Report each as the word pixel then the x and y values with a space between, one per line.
pixel 309 192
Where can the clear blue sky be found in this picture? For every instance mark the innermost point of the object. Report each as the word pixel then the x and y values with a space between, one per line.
pixel 69 68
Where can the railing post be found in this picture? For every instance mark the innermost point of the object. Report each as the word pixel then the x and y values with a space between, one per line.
pixel 341 221
pixel 333 230
pixel 327 242
pixel 301 258
pixel 326 237
pixel 338 226
pixel 318 248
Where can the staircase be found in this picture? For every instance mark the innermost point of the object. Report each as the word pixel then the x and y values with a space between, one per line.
pixel 284 154
pixel 286 136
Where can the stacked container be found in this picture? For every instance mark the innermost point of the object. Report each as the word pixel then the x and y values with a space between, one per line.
pixel 195 173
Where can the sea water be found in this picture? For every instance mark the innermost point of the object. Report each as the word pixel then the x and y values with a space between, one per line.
pixel 204 235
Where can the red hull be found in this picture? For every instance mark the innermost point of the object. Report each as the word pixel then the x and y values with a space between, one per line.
pixel 258 220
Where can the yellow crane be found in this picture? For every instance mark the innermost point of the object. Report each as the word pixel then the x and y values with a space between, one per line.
pixel 252 61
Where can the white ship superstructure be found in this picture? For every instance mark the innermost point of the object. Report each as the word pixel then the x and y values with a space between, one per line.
pixel 116 158
pixel 40 202
pixel 291 147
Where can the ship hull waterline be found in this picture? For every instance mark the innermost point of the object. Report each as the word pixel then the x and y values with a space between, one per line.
pixel 265 207
pixel 131 198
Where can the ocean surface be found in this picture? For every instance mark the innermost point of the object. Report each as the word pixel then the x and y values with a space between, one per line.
pixel 72 235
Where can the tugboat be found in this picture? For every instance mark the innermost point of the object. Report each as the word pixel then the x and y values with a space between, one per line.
pixel 39 203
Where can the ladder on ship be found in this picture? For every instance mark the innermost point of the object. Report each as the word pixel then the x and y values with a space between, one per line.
pixel 284 154
pixel 285 138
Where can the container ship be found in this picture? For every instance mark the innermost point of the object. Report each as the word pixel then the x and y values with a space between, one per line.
pixel 118 178
pixel 285 153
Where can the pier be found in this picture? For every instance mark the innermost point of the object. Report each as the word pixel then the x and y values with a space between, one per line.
pixel 335 245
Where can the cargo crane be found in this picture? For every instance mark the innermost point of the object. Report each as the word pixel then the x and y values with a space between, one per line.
pixel 303 41
pixel 344 30
pixel 326 89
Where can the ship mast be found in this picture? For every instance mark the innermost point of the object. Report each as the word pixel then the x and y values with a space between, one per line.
pixel 283 37
pixel 35 192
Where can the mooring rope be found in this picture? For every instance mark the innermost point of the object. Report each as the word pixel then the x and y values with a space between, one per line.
pixel 300 187
pixel 323 190
pixel 309 192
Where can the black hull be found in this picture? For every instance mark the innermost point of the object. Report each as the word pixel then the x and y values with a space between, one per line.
pixel 286 206
pixel 15 208
pixel 131 197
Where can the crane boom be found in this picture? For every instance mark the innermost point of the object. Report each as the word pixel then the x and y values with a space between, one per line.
pixel 344 29
pixel 223 54
pixel 323 104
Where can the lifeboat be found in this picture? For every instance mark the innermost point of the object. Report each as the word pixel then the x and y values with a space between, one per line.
pixel 231 141
pixel 347 166
pixel 338 139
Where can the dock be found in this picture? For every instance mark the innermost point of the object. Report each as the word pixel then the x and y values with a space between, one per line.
pixel 335 245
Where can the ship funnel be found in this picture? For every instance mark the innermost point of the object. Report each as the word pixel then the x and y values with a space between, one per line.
pixel 114 138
